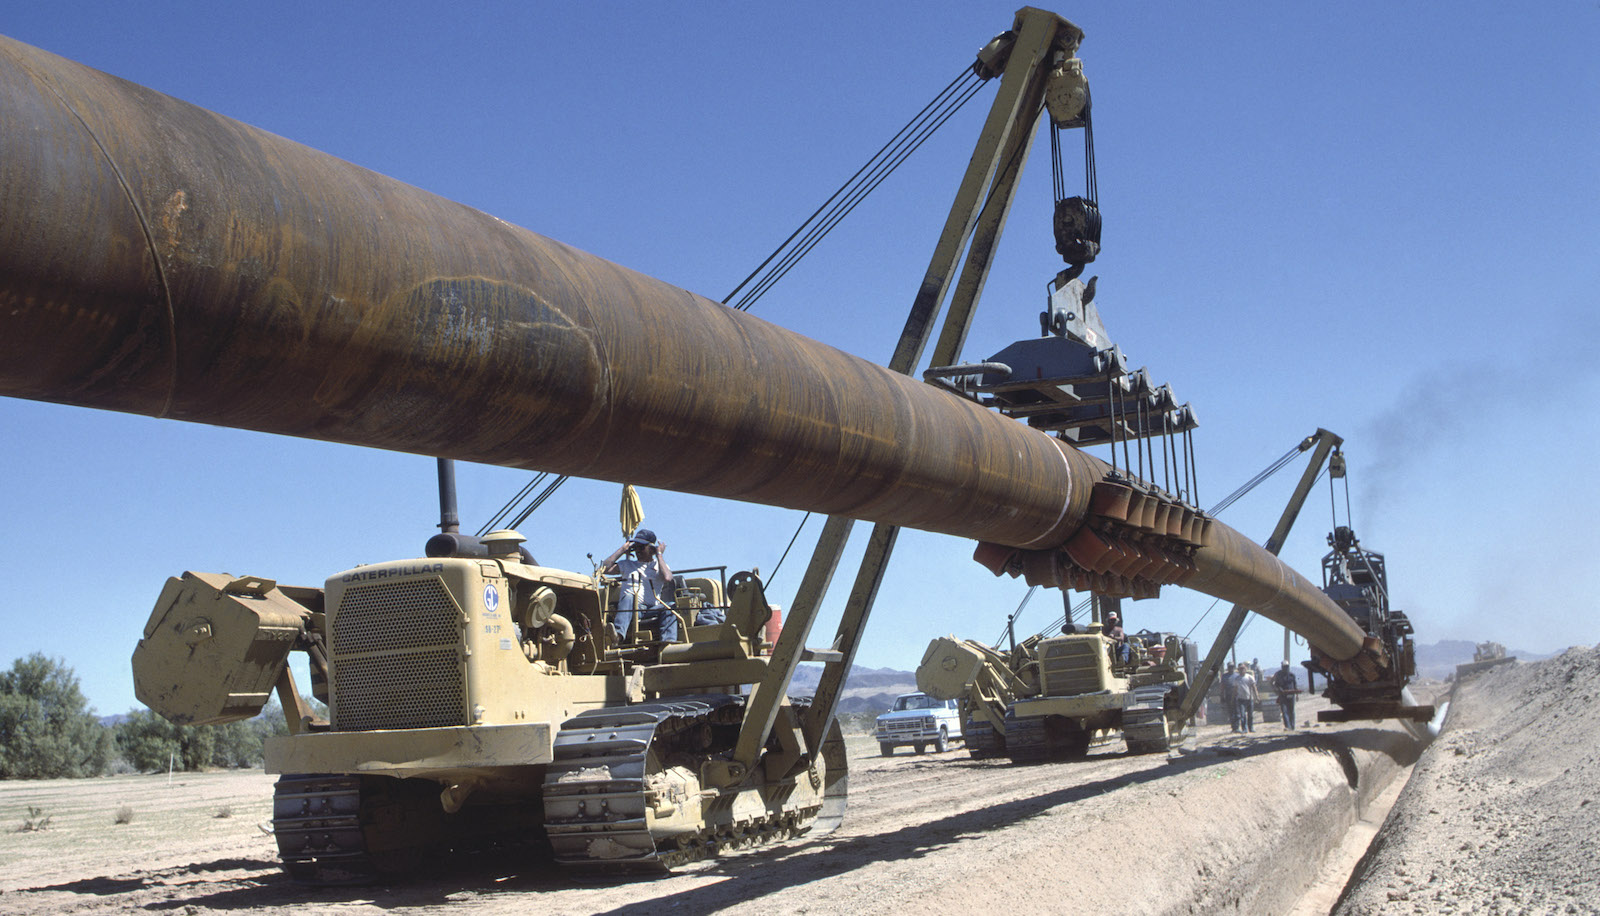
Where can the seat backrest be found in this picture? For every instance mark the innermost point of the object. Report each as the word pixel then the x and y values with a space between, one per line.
pixel 710 589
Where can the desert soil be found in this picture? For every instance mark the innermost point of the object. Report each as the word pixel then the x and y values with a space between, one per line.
pixel 1238 823
pixel 1502 815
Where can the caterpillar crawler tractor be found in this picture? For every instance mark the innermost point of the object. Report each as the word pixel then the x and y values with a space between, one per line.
pixel 477 698
pixel 1058 696
pixel 1485 655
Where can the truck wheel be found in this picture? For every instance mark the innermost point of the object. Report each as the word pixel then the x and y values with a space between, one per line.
pixel 919 748
pixel 943 744
pixel 886 749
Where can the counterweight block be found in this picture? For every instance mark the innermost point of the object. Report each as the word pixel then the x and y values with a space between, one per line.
pixel 215 647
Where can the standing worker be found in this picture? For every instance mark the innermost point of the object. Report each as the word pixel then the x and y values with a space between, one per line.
pixel 644 574
pixel 1287 686
pixel 1247 698
pixel 1230 697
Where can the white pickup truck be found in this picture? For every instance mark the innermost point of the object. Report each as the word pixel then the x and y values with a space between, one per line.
pixel 919 720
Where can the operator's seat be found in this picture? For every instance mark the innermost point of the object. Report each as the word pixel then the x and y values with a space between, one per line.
pixel 637 631
pixel 740 635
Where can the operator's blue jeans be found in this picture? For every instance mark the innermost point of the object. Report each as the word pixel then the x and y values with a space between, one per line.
pixel 661 617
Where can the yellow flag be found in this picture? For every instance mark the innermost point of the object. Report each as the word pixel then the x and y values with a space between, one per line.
pixel 632 510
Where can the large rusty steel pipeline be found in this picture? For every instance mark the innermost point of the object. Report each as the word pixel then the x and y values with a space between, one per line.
pixel 160 259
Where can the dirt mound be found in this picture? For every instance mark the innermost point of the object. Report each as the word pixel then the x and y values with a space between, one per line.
pixel 1499 814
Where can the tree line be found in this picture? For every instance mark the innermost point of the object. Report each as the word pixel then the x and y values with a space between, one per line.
pixel 48 731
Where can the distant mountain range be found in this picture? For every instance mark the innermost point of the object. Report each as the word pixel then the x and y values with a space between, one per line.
pixel 866 690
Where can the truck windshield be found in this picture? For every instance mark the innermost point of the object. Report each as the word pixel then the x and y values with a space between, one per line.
pixel 916 702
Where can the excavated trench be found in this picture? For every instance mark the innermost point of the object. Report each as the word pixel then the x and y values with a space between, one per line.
pixel 1342 862
pixel 1274 822
pixel 1310 843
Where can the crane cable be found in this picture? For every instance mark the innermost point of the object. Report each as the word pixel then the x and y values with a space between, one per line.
pixel 1012 621
pixel 522 494
pixel 1059 622
pixel 1256 481
pixel 786 550
pixel 883 163
pixel 867 178
pixel 505 510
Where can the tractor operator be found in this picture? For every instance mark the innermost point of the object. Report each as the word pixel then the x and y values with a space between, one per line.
pixel 644 574
pixel 1118 637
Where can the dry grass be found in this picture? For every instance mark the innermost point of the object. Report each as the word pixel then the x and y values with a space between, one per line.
pixel 157 810
pixel 35 821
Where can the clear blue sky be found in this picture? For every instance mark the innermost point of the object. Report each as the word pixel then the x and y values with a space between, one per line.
pixel 1378 218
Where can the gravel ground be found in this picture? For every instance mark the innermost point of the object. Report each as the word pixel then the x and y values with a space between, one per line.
pixel 1500 814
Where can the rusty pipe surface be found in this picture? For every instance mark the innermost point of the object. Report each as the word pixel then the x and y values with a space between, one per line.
pixel 160 259
pixel 1235 568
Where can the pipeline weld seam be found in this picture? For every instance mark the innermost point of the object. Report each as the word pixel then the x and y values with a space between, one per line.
pixel 1066 498
pixel 150 244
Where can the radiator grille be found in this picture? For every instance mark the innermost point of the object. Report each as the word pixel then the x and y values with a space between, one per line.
pixel 395 656
pixel 1071 668
pixel 416 690
pixel 412 614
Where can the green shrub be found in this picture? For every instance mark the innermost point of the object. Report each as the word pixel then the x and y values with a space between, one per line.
pixel 46 728
pixel 148 742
